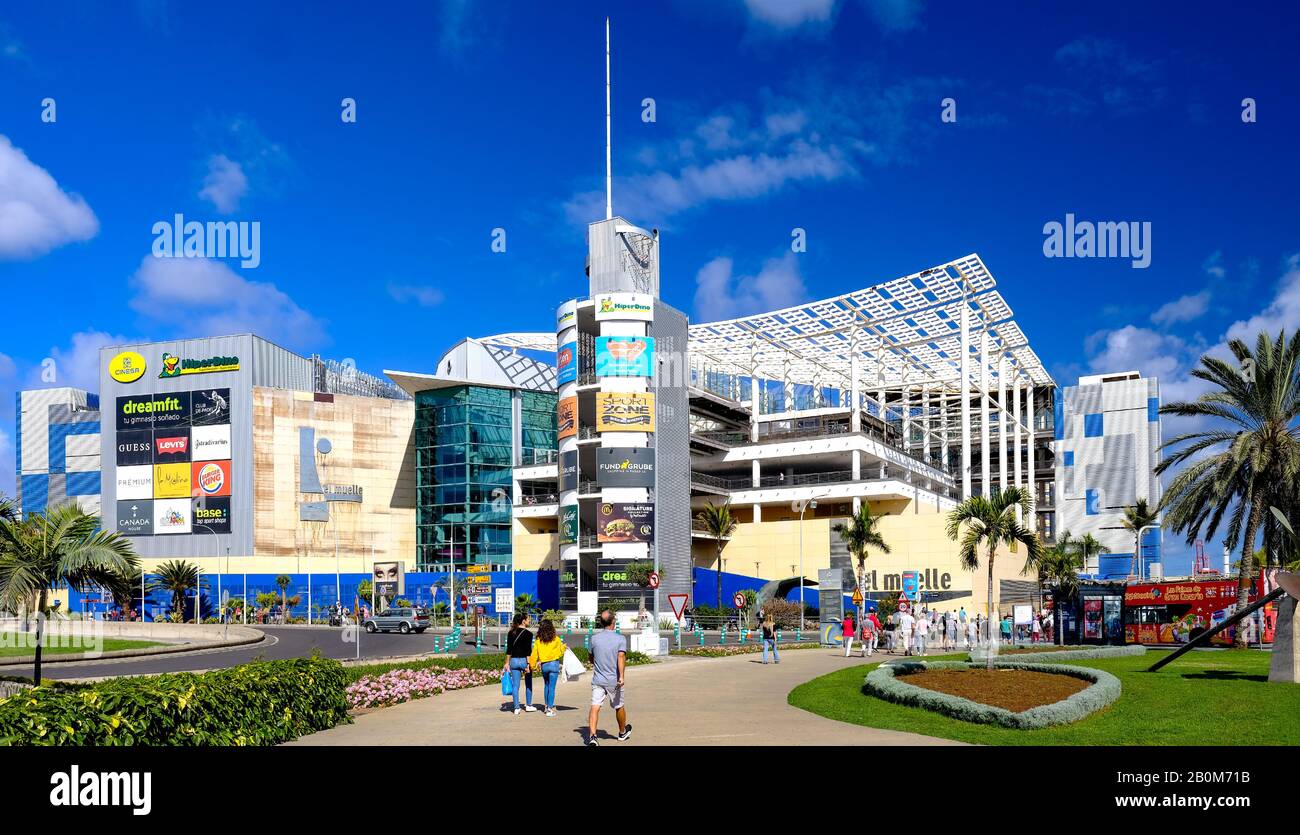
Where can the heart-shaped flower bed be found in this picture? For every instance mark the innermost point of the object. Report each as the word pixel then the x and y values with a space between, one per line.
pixel 889 682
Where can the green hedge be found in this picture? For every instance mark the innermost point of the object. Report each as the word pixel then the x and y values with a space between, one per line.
pixel 1103 689
pixel 263 703
pixel 486 661
pixel 1072 654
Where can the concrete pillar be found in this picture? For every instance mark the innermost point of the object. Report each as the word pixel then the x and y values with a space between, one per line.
pixel 1284 661
pixel 1016 437
pixel 1032 521
pixel 787 387
pixel 925 422
pixel 907 418
pixel 986 477
pixel 1003 423
pixel 964 393
pixel 855 381
pixel 943 419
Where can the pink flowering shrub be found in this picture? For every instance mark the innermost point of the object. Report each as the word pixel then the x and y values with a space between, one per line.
pixel 403 685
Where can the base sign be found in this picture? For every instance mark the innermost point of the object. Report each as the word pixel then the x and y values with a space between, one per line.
pixel 678 602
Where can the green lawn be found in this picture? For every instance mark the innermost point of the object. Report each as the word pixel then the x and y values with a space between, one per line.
pixel 110 645
pixel 1203 698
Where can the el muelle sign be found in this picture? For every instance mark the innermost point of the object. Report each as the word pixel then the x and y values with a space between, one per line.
pixel 929 579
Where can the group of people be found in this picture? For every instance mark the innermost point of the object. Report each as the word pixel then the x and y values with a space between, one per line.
pixel 543 653
pixel 908 634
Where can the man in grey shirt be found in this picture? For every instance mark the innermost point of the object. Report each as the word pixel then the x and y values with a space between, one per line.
pixel 609 658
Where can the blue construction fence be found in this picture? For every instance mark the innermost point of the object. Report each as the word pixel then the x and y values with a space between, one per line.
pixel 421 589
pixel 704 590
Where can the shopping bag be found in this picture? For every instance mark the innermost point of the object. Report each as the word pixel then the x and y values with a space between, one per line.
pixel 572 666
pixel 507 684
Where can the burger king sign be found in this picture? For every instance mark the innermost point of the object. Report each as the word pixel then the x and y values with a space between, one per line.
pixel 211 478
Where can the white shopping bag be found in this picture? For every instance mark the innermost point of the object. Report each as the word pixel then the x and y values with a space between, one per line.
pixel 572 666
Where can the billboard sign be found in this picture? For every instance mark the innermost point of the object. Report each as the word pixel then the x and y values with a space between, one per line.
pixel 569 470
pixel 171 481
pixel 625 356
pixel 569 524
pixel 126 367
pixel 566 418
pixel 135 518
pixel 566 363
pixel 174 366
pixel 153 411
pixel 210 478
pixel 566 315
pixel 389 578
pixel 134 448
pixel 212 514
pixel 624 306
pixel 171 446
pixel 625 466
pixel 210 407
pixel 210 443
pixel 134 482
pixel 625 411
pixel 617 522
pixel 171 516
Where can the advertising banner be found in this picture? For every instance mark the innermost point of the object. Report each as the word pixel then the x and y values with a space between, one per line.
pixel 172 481
pixel 389 578
pixel 625 466
pixel 624 306
pixel 1092 618
pixel 210 478
pixel 211 515
pixel 569 470
pixel 613 576
pixel 625 412
pixel 566 418
pixel 569 587
pixel 134 448
pixel 625 356
pixel 171 446
pixel 569 525
pixel 566 315
pixel 153 411
pixel 210 443
pixel 210 407
pixel 566 363
pixel 126 367
pixel 174 366
pixel 171 515
pixel 135 518
pixel 134 482
pixel 625 522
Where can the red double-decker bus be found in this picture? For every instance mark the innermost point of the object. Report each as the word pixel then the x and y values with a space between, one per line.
pixel 1176 611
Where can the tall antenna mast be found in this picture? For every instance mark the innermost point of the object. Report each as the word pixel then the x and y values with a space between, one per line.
pixel 609 169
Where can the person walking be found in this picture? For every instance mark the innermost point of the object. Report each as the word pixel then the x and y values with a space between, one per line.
pixel 1006 629
pixel 870 629
pixel 891 632
pixel 846 627
pixel 972 633
pixel 609 660
pixel 547 658
pixel 952 631
pixel 905 624
pixel 1037 629
pixel 519 646
pixel 769 639
pixel 922 633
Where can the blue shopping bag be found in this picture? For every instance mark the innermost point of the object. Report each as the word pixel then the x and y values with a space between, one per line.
pixel 507 684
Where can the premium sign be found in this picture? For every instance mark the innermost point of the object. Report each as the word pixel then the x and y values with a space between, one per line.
pixel 171 516
pixel 569 525
pixel 625 356
pixel 174 366
pixel 153 411
pixel 635 306
pixel 211 478
pixel 134 482
pixel 625 466
pixel 171 481
pixel 126 367
pixel 625 522
pixel 171 446
pixel 566 418
pixel 625 412
pixel 210 407
pixel 210 443
pixel 134 448
pixel 569 470
pixel 211 515
pixel 566 363
pixel 135 518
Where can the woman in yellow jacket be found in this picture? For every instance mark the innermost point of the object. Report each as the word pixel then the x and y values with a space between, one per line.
pixel 548 657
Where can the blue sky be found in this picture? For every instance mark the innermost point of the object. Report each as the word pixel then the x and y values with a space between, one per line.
pixel 770 115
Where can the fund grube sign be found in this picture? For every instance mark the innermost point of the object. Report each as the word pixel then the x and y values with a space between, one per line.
pixel 625 466
pixel 569 470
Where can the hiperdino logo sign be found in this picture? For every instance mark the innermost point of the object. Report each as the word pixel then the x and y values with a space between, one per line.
pixel 174 366
pixel 126 367
pixel 637 306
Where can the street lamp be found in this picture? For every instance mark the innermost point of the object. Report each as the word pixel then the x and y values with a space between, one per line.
pixel 799 506
pixel 1141 566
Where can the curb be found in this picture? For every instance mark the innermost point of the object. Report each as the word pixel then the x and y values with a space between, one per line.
pixel 145 652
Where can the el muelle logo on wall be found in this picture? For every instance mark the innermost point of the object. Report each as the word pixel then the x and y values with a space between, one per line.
pixel 174 366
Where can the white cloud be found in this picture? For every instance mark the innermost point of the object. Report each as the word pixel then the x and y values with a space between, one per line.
pixel 7 465
pixel 76 364
pixel 788 14
pixel 721 295
pixel 412 293
pixel 1183 309
pixel 1213 265
pixel 10 46
pixel 225 185
pixel 895 15
pixel 1281 314
pixel 36 215
pixel 206 298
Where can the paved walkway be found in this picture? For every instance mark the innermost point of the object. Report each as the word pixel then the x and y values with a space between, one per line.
pixel 680 701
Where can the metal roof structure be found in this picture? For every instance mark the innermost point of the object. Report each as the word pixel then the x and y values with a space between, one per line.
pixel 905 332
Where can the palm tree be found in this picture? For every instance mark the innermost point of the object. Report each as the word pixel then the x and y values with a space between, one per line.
pixel 1089 547
pixel 282 582
pixel 990 521
pixel 177 577
pixel 859 534
pixel 61 546
pixel 1136 517
pixel 1239 469
pixel 1060 566
pixel 719 524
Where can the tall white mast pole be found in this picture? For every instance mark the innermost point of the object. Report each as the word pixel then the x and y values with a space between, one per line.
pixel 609 168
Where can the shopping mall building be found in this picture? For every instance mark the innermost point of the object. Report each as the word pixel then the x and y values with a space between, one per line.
pixel 551 461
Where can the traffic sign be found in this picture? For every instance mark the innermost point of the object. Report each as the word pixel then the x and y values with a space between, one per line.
pixel 505 601
pixel 654 579
pixel 464 602
pixel 739 600
pixel 678 602
pixel 857 597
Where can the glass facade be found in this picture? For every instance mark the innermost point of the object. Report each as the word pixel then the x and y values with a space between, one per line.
pixel 464 460
pixel 538 425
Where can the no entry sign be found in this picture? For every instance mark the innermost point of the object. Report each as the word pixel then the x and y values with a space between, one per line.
pixel 739 600
pixel 654 579
pixel 464 602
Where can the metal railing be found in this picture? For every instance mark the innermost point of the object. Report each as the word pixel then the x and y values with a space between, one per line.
pixel 586 433
pixel 531 499
pixel 535 457
pixel 587 486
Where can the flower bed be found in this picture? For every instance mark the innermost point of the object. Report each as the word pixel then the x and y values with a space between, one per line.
pixel 403 685
pixel 735 649
pixel 1067 654
pixel 884 682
